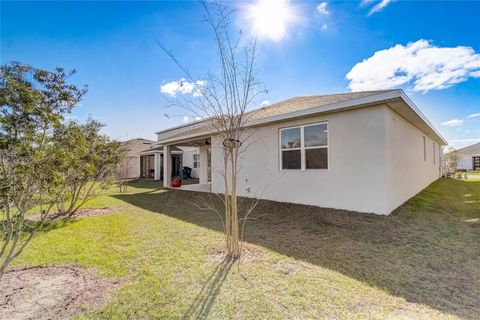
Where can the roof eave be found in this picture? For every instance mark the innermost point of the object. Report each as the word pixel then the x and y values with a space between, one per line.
pixel 422 116
pixel 179 126
pixel 147 152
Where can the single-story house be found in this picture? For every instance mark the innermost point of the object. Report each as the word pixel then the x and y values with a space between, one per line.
pixel 469 157
pixel 130 168
pixel 362 151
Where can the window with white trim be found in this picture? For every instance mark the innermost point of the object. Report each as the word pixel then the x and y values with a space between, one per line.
pixel 304 147
pixel 196 160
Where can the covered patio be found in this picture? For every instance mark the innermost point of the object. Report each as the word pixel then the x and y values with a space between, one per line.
pixel 204 181
pixel 151 162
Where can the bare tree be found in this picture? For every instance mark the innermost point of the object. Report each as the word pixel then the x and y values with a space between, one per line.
pixel 127 164
pixel 450 161
pixel 223 100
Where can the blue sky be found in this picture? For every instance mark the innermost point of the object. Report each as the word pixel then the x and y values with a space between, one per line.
pixel 430 49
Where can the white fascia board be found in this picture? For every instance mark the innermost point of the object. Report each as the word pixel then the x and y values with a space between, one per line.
pixel 179 126
pixel 158 152
pixel 187 138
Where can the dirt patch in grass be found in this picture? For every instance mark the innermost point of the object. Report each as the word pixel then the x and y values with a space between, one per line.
pixel 94 212
pixel 52 292
pixel 290 268
pixel 249 254
pixel 81 213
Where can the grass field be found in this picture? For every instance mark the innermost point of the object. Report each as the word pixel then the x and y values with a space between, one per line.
pixel 421 262
pixel 474 174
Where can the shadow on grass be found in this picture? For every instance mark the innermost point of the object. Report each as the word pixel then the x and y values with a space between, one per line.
pixel 200 308
pixel 30 225
pixel 423 252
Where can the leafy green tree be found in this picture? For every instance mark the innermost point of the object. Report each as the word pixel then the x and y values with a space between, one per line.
pixel 33 103
pixel 87 163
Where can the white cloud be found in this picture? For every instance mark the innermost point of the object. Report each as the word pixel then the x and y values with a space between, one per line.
pixel 265 103
pixel 429 67
pixel 322 8
pixel 453 123
pixel 324 26
pixel 187 119
pixel 182 86
pixel 379 6
pixel 473 115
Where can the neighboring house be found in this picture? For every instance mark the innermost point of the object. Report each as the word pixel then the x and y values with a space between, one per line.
pixel 130 168
pixel 362 151
pixel 469 157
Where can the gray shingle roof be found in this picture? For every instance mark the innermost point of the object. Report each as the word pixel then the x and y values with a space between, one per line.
pixel 282 107
pixel 307 102
pixel 470 150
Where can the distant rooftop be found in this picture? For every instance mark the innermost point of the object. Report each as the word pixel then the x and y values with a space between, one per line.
pixel 134 146
pixel 473 149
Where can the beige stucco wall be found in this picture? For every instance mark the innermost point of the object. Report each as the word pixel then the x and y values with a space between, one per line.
pixel 408 171
pixel 188 160
pixel 465 163
pixel 131 167
pixel 375 163
pixel 355 179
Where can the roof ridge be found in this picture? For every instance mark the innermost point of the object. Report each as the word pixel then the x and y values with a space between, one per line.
pixel 339 93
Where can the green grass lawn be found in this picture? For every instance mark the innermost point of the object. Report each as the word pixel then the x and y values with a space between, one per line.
pixel 421 262
pixel 473 174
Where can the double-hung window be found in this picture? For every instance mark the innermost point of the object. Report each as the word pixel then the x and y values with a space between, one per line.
pixel 304 147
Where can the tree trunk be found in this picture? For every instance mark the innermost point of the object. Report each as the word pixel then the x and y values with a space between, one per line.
pixel 231 207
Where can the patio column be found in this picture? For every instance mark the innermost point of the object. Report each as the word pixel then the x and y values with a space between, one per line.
pixel 157 166
pixel 203 174
pixel 167 166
